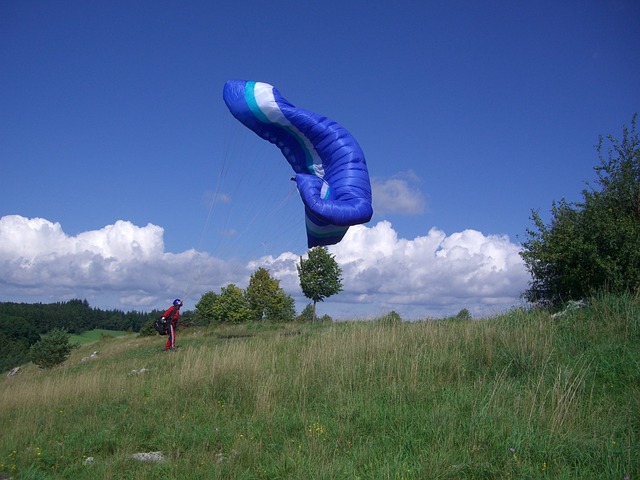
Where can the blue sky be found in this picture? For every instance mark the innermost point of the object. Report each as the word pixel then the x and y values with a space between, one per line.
pixel 128 183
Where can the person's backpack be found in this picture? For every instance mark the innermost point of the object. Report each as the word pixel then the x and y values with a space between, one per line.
pixel 162 326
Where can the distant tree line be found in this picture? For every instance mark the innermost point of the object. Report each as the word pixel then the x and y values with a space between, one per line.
pixel 74 316
pixel 21 324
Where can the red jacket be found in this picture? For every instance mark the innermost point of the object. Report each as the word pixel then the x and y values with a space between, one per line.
pixel 172 310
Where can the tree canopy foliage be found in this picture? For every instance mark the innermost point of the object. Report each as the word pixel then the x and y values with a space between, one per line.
pixel 266 299
pixel 320 275
pixel 263 299
pixel 593 244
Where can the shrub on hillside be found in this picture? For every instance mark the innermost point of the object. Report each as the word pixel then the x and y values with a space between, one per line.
pixel 463 314
pixel 391 318
pixel 307 314
pixel 51 350
pixel 147 330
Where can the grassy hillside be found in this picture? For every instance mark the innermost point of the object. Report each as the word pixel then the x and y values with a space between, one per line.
pixel 517 396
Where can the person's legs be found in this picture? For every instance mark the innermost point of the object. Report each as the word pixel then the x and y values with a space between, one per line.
pixel 171 341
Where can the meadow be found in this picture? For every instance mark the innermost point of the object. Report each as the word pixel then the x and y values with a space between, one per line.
pixel 94 335
pixel 520 395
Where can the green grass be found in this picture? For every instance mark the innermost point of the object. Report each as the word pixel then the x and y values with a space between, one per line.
pixel 94 335
pixel 519 396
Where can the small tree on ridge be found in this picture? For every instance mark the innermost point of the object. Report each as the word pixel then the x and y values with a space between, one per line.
pixel 320 276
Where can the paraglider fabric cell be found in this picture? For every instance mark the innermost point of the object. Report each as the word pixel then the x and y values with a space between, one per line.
pixel 331 171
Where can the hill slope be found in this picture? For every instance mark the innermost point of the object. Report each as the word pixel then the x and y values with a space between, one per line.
pixel 517 396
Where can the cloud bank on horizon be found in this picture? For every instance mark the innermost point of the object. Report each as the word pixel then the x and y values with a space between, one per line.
pixel 126 266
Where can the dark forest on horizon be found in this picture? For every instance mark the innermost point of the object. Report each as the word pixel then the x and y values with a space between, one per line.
pixel 22 324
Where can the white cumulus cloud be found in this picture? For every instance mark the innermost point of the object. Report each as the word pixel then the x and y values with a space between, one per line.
pixel 431 275
pixel 399 194
pixel 125 266
pixel 120 261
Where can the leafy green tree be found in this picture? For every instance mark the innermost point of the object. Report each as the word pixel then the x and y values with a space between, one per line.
pixel 594 244
pixel 282 309
pixel 205 308
pixel 229 306
pixel 51 350
pixel 320 276
pixel 266 300
pixel 232 305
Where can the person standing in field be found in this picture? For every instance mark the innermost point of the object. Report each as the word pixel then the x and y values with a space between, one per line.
pixel 172 315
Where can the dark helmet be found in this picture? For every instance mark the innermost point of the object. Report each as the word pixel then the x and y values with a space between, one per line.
pixel 177 302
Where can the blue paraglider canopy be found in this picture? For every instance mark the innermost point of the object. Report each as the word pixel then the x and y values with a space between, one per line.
pixel 331 171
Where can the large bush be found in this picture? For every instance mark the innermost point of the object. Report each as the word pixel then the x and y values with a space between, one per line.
pixel 594 244
pixel 148 330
